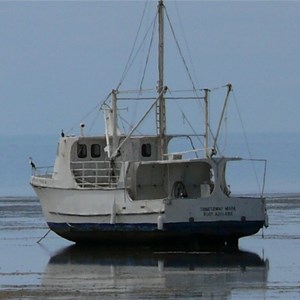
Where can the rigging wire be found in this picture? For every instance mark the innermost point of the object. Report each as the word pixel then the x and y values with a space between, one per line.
pixel 224 134
pixel 215 137
pixel 246 141
pixel 148 53
pixel 96 107
pixel 131 60
pixel 133 53
pixel 128 124
pixel 180 52
pixel 141 68
pixel 128 63
pixel 145 66
pixel 187 48
pixel 94 122
pixel 185 40
pixel 186 119
pixel 186 66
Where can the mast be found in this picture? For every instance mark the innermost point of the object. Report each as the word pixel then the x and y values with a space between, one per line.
pixel 206 93
pixel 160 107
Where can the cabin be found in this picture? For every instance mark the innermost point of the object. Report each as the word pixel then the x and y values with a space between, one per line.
pixel 138 169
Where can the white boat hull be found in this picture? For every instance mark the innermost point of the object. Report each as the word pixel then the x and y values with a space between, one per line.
pixel 110 216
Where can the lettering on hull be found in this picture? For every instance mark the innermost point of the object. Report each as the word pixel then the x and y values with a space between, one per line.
pixel 218 211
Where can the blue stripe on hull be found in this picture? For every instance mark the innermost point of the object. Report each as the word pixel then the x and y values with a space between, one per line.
pixel 221 231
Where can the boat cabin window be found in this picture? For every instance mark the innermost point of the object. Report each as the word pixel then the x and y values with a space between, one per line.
pixel 146 150
pixel 81 150
pixel 95 150
pixel 88 149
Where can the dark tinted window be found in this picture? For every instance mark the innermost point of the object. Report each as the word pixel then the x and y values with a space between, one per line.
pixel 95 150
pixel 81 150
pixel 146 150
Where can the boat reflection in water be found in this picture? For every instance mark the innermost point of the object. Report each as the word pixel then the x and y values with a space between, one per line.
pixel 136 273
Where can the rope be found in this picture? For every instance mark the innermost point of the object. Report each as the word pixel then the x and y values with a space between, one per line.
pixel 43 236
pixel 192 144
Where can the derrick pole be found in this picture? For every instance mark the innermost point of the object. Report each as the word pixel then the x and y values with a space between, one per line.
pixel 206 145
pixel 160 107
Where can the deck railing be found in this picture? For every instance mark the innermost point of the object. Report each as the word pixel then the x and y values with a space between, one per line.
pixel 95 174
pixel 45 172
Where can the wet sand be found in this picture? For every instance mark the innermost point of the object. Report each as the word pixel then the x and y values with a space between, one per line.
pixel 266 267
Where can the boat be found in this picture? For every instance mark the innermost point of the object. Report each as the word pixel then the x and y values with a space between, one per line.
pixel 131 188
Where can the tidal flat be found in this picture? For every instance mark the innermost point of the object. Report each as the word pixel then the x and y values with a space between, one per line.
pixel 266 266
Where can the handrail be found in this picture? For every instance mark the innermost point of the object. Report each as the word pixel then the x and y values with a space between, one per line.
pixel 265 172
pixel 43 171
pixel 186 152
pixel 95 174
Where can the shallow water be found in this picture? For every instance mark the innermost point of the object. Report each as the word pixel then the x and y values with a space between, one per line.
pixel 266 267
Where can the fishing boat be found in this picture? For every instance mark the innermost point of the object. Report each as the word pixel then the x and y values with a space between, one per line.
pixel 128 187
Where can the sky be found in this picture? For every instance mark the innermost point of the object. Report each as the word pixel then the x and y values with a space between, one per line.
pixel 59 59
